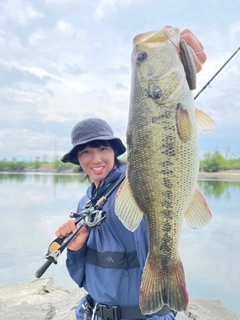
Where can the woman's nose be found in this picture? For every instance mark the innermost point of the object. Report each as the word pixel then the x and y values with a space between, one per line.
pixel 96 157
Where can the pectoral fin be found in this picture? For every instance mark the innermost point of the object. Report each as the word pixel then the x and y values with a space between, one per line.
pixel 204 122
pixel 198 214
pixel 184 125
pixel 126 207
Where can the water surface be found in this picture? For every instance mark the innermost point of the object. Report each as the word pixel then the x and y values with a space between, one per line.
pixel 33 206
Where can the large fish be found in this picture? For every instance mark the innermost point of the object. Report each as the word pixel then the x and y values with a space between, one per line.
pixel 163 157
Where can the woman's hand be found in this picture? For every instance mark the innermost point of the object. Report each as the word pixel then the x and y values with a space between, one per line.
pixel 70 227
pixel 196 48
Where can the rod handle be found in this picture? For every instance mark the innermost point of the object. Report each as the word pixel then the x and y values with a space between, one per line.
pixel 42 269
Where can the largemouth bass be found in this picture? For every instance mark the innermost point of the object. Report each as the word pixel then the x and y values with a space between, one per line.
pixel 163 165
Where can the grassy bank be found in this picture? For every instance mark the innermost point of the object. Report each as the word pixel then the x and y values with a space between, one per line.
pixel 37 166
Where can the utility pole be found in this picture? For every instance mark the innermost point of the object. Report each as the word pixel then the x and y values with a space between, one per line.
pixel 55 154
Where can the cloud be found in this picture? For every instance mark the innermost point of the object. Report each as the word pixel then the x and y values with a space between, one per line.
pixel 73 69
pixel 36 37
pixel 104 6
pixel 235 31
pixel 62 2
pixel 120 86
pixel 64 26
pixel 11 76
pixel 18 11
pixel 62 61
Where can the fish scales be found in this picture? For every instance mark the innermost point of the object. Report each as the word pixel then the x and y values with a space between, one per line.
pixel 163 163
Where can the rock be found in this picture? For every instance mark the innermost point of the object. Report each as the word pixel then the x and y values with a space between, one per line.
pixel 200 309
pixel 38 300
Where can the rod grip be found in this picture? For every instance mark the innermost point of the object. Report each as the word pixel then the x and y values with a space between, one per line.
pixel 42 269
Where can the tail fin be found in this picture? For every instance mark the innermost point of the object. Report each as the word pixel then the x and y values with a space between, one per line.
pixel 161 287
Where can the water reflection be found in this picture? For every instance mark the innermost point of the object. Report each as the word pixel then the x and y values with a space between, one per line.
pixel 64 179
pixel 216 189
pixel 40 178
pixel 12 177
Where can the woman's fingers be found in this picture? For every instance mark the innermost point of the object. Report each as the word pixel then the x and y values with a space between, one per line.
pixel 66 229
pixel 196 48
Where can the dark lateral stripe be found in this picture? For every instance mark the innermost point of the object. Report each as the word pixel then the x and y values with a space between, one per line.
pixel 114 260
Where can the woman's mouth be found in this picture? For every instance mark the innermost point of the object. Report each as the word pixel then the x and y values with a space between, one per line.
pixel 97 169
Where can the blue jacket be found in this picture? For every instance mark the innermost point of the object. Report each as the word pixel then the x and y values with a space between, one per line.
pixel 110 265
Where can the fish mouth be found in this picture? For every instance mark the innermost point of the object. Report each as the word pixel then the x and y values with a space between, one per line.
pixel 155 37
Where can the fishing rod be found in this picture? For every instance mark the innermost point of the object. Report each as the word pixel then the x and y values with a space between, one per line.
pixel 92 215
pixel 204 87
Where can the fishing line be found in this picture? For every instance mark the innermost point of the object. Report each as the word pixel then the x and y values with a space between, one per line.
pixel 176 45
pixel 207 84
pixel 171 40
pixel 217 51
pixel 212 86
pixel 218 79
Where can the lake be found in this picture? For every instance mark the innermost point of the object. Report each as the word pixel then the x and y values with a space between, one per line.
pixel 34 205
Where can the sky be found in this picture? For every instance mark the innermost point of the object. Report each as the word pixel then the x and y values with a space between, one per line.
pixel 62 61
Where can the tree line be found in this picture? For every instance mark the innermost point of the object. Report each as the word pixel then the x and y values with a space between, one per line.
pixel 211 162
pixel 37 163
pixel 215 161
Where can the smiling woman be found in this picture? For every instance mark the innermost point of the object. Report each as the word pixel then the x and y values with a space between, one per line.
pixel 96 159
pixel 95 148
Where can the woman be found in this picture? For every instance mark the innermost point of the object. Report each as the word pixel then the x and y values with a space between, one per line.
pixel 108 261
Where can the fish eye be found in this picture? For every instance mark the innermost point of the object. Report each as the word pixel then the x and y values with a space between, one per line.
pixel 142 56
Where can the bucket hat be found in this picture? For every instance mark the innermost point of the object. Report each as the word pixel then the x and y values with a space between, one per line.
pixel 90 130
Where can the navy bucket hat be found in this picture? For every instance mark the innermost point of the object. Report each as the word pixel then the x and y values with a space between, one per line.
pixel 89 130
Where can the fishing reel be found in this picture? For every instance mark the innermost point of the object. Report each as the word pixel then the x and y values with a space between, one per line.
pixel 90 217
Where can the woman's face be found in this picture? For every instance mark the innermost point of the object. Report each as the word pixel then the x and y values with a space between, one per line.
pixel 96 162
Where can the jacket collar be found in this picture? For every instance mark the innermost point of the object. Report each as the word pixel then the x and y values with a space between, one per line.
pixel 113 175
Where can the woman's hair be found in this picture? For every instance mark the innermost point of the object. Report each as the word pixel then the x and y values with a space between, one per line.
pixel 97 144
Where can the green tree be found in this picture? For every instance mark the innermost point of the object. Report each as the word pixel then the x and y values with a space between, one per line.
pixel 37 163
pixel 219 162
pixel 213 162
pixel 59 165
pixel 234 163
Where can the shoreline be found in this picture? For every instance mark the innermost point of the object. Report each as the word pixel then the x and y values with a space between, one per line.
pixel 228 175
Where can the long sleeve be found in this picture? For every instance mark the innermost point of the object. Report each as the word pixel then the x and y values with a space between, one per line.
pixel 76 259
pixel 76 265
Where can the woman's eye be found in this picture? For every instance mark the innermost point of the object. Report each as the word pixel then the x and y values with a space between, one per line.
pixel 104 148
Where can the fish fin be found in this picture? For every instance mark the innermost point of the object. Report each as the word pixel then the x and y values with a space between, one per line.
pixel 198 214
pixel 161 287
pixel 204 121
pixel 126 208
pixel 184 125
